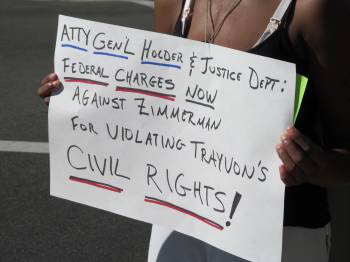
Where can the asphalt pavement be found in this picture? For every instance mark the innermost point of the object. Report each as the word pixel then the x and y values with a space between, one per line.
pixel 33 225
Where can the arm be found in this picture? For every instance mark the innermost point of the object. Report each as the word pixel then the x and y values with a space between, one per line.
pixel 322 25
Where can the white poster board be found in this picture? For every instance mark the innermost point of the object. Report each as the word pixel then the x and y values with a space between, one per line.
pixel 172 132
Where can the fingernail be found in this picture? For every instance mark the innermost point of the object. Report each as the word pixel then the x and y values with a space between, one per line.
pixel 279 149
pixel 285 141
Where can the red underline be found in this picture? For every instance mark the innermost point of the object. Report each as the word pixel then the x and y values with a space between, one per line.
pixel 96 184
pixel 145 92
pixel 184 211
pixel 86 81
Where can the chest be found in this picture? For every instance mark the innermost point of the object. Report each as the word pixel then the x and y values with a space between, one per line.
pixel 234 26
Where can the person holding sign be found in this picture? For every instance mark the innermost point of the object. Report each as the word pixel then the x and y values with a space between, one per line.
pixel 314 153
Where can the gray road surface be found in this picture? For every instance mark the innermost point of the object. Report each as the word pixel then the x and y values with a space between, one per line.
pixel 33 225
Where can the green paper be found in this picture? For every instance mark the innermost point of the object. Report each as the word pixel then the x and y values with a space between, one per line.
pixel 300 88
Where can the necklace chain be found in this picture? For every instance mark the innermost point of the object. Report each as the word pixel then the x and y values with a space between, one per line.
pixel 216 30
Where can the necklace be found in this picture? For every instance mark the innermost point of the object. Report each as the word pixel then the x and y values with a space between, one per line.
pixel 216 30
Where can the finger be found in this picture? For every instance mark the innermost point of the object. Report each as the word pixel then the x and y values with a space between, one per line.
pixel 47 88
pixel 301 140
pixel 49 77
pixel 290 168
pixel 285 158
pixel 292 178
pixel 299 157
pixel 47 100
pixel 313 151
pixel 295 154
pixel 287 179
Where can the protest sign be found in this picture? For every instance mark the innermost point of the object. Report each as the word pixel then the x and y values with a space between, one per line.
pixel 173 132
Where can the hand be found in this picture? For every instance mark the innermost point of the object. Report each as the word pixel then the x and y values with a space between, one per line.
pixel 48 85
pixel 303 161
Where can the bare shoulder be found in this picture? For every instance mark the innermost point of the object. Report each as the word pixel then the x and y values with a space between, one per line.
pixel 323 27
pixel 166 13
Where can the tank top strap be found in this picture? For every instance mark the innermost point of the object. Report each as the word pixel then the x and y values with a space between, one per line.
pixel 186 16
pixel 184 19
pixel 275 20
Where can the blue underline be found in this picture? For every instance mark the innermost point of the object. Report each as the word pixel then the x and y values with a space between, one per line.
pixel 74 47
pixel 160 64
pixel 109 54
